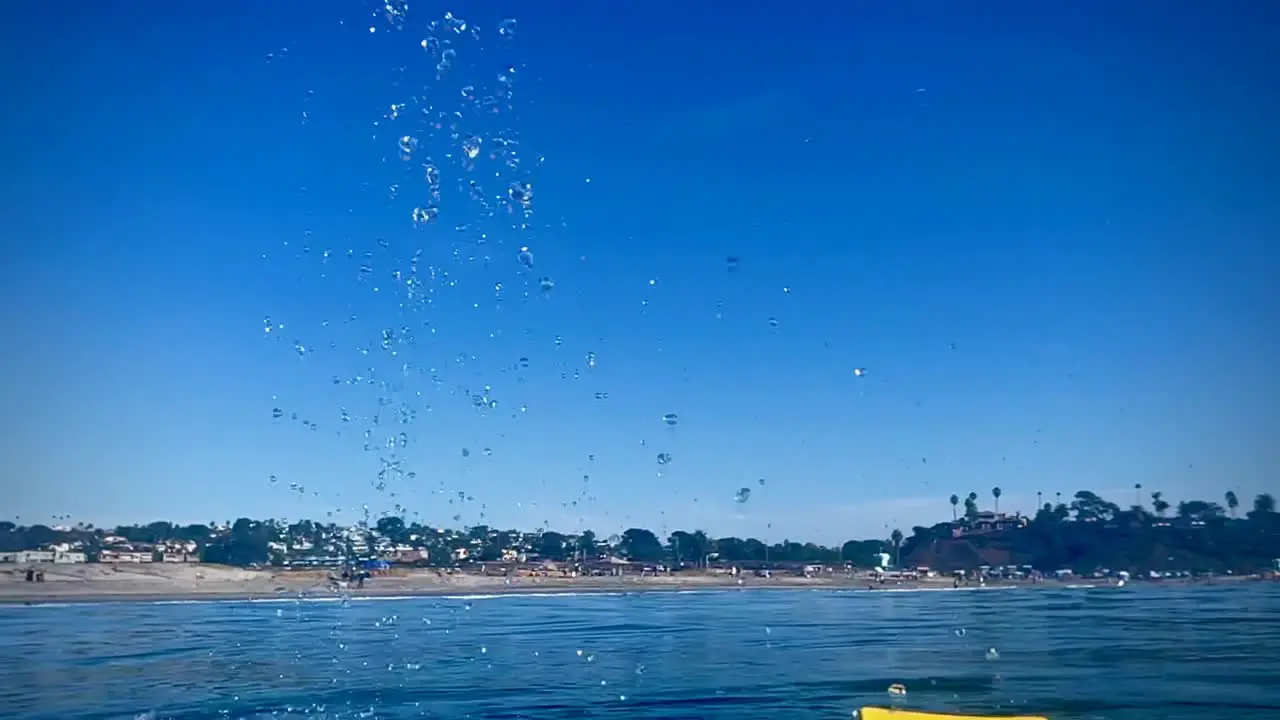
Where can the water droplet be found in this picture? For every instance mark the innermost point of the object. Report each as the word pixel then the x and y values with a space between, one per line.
pixel 671 419
pixel 424 215
pixel 664 458
pixel 773 322
pixel 408 144
pixel 591 360
pixel 471 147
pixel 859 372
pixel 546 284
pixel 277 413
pixel 732 262
pixel 521 193
pixel 447 57
pixel 992 654
pixel 466 452
pixel 761 481
pixel 743 495
pixel 525 257
pixel 507 28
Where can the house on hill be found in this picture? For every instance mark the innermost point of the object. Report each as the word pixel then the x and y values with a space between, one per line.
pixel 985 522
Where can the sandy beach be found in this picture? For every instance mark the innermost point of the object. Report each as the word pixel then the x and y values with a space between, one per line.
pixel 102 583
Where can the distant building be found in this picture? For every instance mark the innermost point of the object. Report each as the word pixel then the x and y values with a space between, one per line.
pixel 410 556
pixel 171 556
pixel 988 522
pixel 60 557
pixel 117 556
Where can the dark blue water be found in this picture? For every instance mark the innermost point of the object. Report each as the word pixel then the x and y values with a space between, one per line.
pixel 1110 653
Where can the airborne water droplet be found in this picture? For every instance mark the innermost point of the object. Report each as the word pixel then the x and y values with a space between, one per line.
pixel 525 257
pixel 521 193
pixel 424 215
pixel 743 495
pixel 671 419
pixel 408 144
pixel 507 28
pixel 664 458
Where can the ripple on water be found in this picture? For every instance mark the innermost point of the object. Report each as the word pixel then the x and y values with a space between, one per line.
pixel 1108 653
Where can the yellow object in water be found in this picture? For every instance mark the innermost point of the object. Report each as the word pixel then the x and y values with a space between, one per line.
pixel 877 713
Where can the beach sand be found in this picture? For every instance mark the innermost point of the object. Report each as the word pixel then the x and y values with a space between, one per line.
pixel 105 582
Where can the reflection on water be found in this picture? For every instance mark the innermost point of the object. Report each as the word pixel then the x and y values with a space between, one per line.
pixel 1103 653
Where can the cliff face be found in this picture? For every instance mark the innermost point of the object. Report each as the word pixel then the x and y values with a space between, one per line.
pixel 1218 545
pixel 950 554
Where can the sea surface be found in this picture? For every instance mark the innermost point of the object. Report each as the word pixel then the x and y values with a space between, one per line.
pixel 1135 653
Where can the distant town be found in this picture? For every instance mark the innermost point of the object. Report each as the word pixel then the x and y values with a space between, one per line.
pixel 1085 534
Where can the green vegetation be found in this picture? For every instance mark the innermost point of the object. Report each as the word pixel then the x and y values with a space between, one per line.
pixel 1086 534
pixel 1091 533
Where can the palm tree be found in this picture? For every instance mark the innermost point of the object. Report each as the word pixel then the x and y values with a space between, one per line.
pixel 1233 502
pixel 1137 494
pixel 955 500
pixel 995 493
pixel 895 537
pixel 1039 499
pixel 1158 503
pixel 1264 504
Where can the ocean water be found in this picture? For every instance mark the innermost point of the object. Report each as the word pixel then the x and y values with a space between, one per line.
pixel 1135 652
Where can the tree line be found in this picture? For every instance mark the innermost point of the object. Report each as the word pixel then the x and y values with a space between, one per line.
pixel 1085 532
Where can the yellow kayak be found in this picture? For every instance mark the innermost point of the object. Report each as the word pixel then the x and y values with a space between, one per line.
pixel 877 713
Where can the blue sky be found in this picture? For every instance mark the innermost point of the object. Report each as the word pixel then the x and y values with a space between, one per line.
pixel 1045 234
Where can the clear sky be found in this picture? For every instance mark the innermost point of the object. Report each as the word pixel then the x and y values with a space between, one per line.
pixel 1047 232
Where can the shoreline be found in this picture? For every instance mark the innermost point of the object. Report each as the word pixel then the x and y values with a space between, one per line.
pixel 477 592
pixel 230 585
